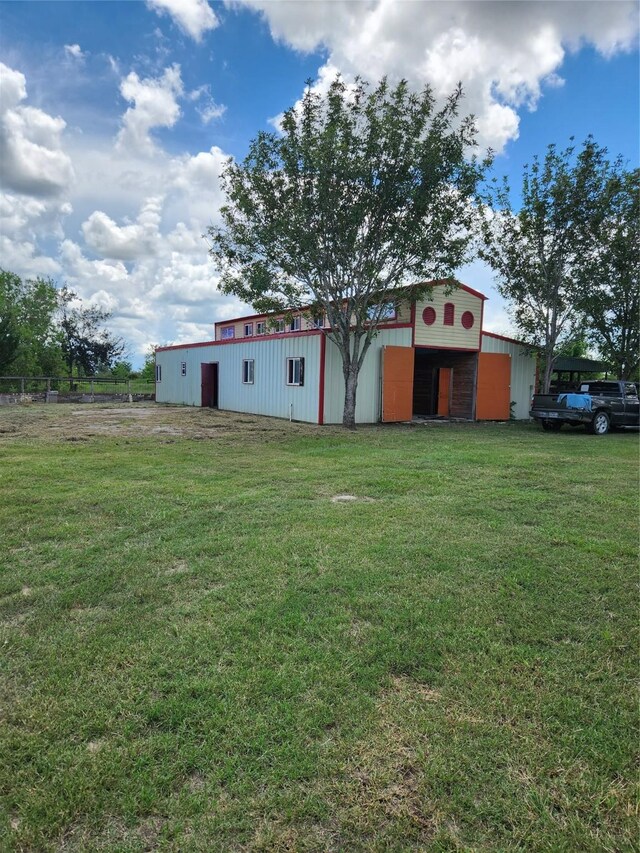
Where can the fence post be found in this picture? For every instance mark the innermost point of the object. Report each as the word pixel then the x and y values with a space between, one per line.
pixel 92 394
pixel 48 383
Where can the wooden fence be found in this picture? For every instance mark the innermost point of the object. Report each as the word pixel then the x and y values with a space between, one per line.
pixel 76 385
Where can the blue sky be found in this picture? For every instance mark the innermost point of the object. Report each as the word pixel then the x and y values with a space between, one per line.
pixel 117 117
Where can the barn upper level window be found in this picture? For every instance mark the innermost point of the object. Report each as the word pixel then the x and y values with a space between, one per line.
pixel 449 310
pixel 260 327
pixel 227 333
pixel 294 325
pixel 248 330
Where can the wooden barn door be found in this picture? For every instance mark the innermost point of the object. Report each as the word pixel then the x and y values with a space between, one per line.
pixel 493 396
pixel 209 385
pixel 397 383
pixel 444 391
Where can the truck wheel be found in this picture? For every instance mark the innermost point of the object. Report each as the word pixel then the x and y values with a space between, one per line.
pixel 600 424
pixel 552 426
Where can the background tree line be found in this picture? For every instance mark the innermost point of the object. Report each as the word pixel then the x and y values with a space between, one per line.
pixel 47 331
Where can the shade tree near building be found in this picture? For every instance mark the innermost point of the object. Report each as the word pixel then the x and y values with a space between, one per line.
pixel 363 190
pixel 608 272
pixel 564 261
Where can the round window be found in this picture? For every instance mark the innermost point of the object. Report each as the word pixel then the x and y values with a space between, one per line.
pixel 467 319
pixel 429 316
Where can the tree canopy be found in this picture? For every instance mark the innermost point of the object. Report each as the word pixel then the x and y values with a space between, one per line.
pixel 566 261
pixel 363 191
pixel 46 331
pixel 608 269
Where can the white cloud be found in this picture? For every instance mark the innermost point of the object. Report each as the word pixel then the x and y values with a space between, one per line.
pixel 210 111
pixel 33 161
pixel 194 17
pixel 127 242
pixel 207 108
pixel 73 51
pixel 155 104
pixel 504 53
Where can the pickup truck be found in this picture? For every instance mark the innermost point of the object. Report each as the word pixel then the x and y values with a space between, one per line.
pixel 599 406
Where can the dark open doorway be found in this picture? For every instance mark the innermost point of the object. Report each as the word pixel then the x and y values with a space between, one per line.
pixel 444 383
pixel 209 386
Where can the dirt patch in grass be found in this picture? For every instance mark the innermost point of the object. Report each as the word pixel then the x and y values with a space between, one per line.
pixel 63 422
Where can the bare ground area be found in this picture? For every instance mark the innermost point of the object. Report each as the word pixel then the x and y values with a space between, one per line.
pixel 71 422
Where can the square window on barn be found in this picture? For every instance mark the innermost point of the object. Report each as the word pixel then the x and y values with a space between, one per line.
pixel 260 327
pixel 279 325
pixel 227 333
pixel 247 371
pixel 158 373
pixel 295 371
pixel 294 325
pixel 318 321
pixel 183 368
pixel 248 330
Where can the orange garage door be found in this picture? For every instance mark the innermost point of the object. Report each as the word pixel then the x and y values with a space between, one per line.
pixel 494 386
pixel 397 383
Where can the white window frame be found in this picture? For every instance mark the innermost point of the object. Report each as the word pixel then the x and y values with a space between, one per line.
pixel 183 368
pixel 249 326
pixel 279 325
pixel 260 327
pixel 228 333
pixel 294 325
pixel 248 371
pixel 318 322
pixel 291 371
pixel 158 373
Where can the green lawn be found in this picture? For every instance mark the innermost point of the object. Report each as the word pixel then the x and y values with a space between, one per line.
pixel 202 651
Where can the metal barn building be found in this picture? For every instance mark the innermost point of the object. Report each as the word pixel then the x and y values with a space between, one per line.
pixel 431 358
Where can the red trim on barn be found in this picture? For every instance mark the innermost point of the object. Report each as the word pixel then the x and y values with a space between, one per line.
pixel 323 347
pixel 187 346
pixel 260 338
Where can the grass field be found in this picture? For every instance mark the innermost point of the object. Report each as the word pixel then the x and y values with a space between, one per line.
pixel 203 650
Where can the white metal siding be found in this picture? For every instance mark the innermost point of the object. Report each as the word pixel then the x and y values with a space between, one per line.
pixel 523 372
pixel 175 388
pixel 269 394
pixel 368 394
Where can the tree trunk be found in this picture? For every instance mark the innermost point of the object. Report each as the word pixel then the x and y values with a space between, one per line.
pixel 546 378
pixel 350 387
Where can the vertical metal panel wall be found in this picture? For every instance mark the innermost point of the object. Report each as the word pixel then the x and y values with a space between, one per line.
pixel 523 372
pixel 268 395
pixel 369 382
pixel 176 388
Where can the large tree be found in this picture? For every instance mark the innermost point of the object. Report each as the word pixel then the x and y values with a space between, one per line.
pixel 87 346
pixel 363 190
pixel 608 270
pixel 28 315
pixel 536 251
